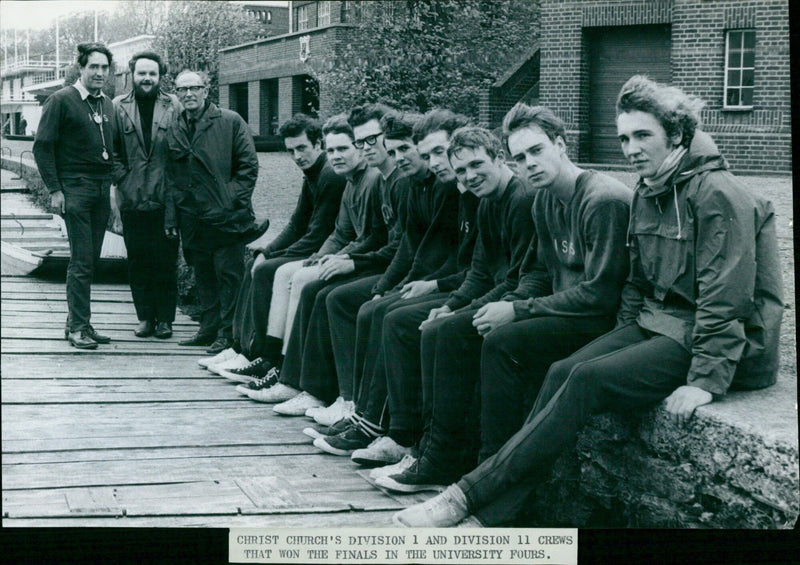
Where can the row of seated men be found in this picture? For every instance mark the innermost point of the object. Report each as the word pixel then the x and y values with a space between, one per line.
pixel 425 293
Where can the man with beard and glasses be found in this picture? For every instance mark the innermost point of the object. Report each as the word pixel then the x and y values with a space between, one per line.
pixel 140 161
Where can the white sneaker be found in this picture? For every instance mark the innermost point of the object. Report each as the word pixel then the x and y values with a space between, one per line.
pixel 442 511
pixel 339 410
pixel 298 405
pixel 238 361
pixel 406 462
pixel 383 451
pixel 224 355
pixel 276 393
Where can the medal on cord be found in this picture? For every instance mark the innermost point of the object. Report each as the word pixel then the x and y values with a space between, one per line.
pixel 97 118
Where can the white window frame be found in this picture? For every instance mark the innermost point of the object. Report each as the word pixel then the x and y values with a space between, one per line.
pixel 741 68
pixel 302 17
pixel 323 14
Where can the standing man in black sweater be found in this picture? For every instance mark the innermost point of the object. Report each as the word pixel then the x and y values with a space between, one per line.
pixel 73 151
pixel 140 171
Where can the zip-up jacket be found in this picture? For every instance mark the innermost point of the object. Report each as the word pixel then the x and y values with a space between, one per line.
pixel 429 234
pixel 141 175
pixel 314 214
pixel 505 231
pixel 386 223
pixel 212 175
pixel 581 258
pixel 705 271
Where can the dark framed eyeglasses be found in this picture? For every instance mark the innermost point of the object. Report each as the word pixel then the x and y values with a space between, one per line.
pixel 369 140
pixel 192 89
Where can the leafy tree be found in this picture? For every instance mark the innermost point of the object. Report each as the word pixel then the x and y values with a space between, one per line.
pixel 198 30
pixel 421 54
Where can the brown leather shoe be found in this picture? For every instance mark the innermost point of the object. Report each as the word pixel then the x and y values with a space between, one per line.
pixel 163 330
pixel 81 340
pixel 144 329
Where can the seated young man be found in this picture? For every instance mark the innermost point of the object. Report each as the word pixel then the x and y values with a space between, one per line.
pixel 427 251
pixel 312 221
pixel 504 233
pixel 577 264
pixel 308 364
pixel 700 312
pixel 351 235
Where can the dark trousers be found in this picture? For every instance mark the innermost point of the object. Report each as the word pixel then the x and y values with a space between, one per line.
pixel 309 362
pixel 86 216
pixel 401 350
pixel 151 265
pixel 218 276
pixel 628 369
pixel 342 305
pixel 252 306
pixel 451 360
pixel 514 361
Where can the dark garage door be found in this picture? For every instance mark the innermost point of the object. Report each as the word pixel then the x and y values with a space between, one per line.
pixel 616 54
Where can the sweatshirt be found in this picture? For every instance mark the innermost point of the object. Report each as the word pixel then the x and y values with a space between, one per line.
pixel 505 230
pixel 68 142
pixel 581 260
pixel 352 224
pixel 314 214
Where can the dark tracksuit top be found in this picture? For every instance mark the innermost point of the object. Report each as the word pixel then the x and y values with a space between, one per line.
pixel 314 215
pixel 567 298
pixel 581 258
pixel 386 223
pixel 430 234
pixel 505 230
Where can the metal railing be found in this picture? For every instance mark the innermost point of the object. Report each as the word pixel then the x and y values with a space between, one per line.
pixel 24 62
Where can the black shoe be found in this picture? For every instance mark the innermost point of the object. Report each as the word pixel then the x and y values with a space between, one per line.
pixel 318 430
pixel 254 232
pixel 144 329
pixel 422 475
pixel 99 338
pixel 199 339
pixel 81 340
pixel 346 442
pixel 257 369
pixel 163 330
pixel 220 344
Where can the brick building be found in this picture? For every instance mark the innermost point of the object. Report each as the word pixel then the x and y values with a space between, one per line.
pixel 734 54
pixel 269 80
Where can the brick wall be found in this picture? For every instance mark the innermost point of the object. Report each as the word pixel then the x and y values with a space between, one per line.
pixel 757 140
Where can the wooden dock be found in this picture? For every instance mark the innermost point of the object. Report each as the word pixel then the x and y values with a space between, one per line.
pixel 135 433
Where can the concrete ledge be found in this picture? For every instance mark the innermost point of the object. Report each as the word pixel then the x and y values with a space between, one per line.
pixel 734 465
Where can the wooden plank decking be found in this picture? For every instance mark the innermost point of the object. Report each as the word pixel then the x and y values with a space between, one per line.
pixel 137 434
